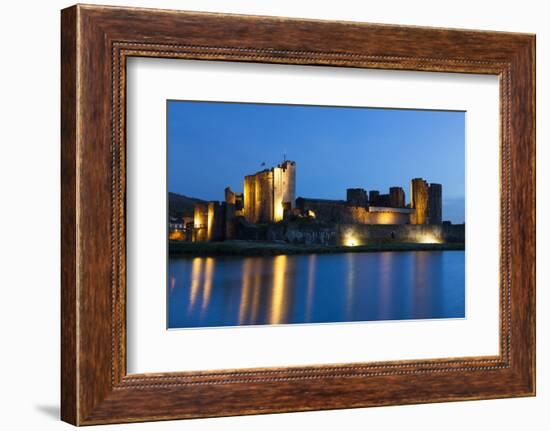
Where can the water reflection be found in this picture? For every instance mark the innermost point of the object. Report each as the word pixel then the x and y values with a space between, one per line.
pixel 246 291
pixel 228 291
pixel 196 270
pixel 208 273
pixel 350 282
pixel 172 283
pixel 312 268
pixel 278 306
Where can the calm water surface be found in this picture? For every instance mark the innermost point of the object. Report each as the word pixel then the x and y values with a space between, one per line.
pixel 228 291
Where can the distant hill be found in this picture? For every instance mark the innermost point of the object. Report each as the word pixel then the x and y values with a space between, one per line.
pixel 181 205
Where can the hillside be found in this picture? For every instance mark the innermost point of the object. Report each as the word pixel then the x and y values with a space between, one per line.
pixel 181 205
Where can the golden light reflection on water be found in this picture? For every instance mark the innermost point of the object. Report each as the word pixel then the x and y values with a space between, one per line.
pixel 245 290
pixel 255 296
pixel 196 268
pixel 251 290
pixel 292 289
pixel 202 272
pixel 257 290
pixel 208 275
pixel 278 295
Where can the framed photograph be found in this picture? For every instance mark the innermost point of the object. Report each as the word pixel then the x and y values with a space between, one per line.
pixel 264 215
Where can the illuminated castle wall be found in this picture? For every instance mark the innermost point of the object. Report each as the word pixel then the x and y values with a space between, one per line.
pixel 374 208
pixel 269 196
pixel 209 221
pixel 200 222
pixel 268 193
pixel 335 211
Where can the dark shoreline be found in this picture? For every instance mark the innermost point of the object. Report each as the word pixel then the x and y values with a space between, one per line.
pixel 259 248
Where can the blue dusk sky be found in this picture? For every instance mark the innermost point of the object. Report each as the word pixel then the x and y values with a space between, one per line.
pixel 212 145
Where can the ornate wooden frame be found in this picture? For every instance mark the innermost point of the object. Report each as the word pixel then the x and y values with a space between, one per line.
pixel 95 43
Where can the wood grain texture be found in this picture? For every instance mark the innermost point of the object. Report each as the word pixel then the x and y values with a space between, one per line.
pixel 69 397
pixel 96 41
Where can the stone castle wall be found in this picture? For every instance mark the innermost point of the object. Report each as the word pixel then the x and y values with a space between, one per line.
pixel 344 234
pixel 426 233
pixel 269 196
pixel 334 211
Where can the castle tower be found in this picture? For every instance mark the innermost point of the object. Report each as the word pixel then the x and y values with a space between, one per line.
pixel 374 196
pixel 288 183
pixel 284 188
pixel 215 221
pixel 397 197
pixel 258 197
pixel 263 196
pixel 229 196
pixel 268 193
pixel 419 201
pixel 249 193
pixel 200 222
pixel 357 197
pixel 434 204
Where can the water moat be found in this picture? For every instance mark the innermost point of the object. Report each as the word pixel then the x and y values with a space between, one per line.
pixel 315 288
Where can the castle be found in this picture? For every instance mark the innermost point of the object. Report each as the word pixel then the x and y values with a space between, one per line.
pixel 269 196
pixel 270 193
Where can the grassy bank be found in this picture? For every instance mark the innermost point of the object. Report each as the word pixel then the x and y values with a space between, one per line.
pixel 255 248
